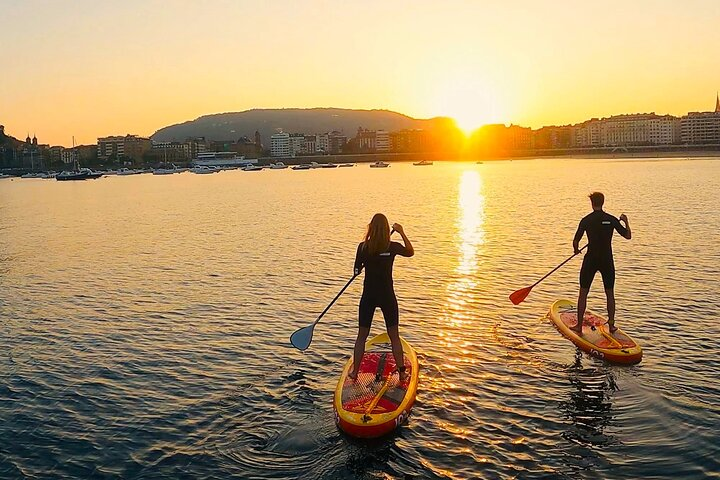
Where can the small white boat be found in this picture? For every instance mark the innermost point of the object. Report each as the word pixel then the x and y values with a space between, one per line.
pixel 304 166
pixel 330 165
pixel 3 175
pixel 346 165
pixel 128 171
pixel 252 168
pixel 422 163
pixel 166 171
pixel 278 166
pixel 315 165
pixel 379 165
pixel 47 175
pixel 202 170
pixel 30 175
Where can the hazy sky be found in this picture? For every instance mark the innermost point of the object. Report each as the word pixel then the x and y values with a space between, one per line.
pixel 96 68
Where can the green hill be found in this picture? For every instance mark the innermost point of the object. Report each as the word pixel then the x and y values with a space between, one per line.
pixel 230 126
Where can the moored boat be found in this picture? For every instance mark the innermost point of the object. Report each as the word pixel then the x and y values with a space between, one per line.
pixel 423 163
pixel 379 165
pixel 166 171
pixel 82 174
pixel 128 171
pixel 202 170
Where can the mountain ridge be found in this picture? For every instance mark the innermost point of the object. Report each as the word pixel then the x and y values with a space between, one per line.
pixel 234 125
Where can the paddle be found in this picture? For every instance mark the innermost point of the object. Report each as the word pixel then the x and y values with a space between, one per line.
pixel 366 417
pixel 301 338
pixel 519 295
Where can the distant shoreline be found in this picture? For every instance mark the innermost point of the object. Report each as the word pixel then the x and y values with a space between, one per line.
pixel 439 156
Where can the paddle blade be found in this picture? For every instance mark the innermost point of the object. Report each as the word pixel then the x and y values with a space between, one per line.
pixel 301 338
pixel 519 295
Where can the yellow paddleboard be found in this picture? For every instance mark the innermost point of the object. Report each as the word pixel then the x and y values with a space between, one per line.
pixel 377 402
pixel 596 338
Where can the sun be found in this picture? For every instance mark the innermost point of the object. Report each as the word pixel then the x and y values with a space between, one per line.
pixel 470 101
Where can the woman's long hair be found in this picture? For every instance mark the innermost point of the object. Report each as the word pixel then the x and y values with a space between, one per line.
pixel 377 238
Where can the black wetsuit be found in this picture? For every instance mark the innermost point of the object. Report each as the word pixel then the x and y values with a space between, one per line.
pixel 378 285
pixel 599 257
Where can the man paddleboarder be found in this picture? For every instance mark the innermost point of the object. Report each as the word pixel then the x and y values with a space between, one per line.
pixel 599 227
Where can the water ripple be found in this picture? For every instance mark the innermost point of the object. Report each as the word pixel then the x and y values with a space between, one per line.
pixel 150 340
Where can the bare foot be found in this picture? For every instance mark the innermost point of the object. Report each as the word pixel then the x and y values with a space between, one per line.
pixel 576 330
pixel 403 376
pixel 352 376
pixel 613 328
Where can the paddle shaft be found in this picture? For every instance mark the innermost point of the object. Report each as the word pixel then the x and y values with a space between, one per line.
pixel 558 267
pixel 335 299
pixel 376 399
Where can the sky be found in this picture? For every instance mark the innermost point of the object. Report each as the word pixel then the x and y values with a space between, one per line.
pixel 96 68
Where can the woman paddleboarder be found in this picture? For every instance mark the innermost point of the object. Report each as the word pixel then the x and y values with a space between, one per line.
pixel 376 255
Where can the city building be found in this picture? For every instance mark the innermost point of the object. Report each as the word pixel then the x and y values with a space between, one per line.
pixel 498 139
pixel 589 133
pixel 168 152
pixel 243 146
pixel 322 144
pixel 123 148
pixel 554 137
pixel 68 156
pixel 336 142
pixel 382 141
pixel 55 154
pixel 196 146
pixel 640 129
pixel 701 128
pixel 409 141
pixel 297 144
pixel 280 145
pixel 310 147
pixel 365 140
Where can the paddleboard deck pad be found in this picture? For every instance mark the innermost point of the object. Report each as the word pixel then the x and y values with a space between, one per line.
pixel 596 338
pixel 377 402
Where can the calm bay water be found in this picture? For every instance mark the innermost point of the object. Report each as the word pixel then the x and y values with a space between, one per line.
pixel 145 323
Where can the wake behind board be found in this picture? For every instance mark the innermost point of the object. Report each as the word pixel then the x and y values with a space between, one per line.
pixel 596 338
pixel 377 402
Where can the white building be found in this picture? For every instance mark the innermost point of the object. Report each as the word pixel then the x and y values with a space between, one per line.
pixel 642 129
pixel 700 128
pixel 627 130
pixel 382 141
pixel 322 143
pixel 280 145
